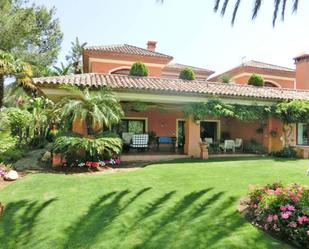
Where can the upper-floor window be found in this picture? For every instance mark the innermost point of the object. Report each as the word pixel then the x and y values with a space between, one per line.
pixel 270 84
pixel 123 71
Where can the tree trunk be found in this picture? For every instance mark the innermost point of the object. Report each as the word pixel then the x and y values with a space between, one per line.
pixel 1 89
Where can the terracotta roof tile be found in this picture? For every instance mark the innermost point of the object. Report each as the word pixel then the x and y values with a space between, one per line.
pixel 126 49
pixel 175 85
pixel 182 66
pixel 263 65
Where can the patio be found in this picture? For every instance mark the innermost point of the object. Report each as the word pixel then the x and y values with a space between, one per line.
pixel 156 134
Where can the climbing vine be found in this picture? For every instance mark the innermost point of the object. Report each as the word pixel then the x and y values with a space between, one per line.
pixel 217 108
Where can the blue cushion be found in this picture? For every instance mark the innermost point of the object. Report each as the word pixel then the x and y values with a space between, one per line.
pixel 165 140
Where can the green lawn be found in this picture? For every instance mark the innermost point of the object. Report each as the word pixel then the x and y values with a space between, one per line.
pixel 184 204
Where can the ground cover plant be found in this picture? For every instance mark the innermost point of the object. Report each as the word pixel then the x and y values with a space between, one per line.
pixel 180 204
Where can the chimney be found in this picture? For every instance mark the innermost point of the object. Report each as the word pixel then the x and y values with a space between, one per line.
pixel 302 71
pixel 151 45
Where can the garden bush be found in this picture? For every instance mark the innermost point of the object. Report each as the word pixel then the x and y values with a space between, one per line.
pixel 13 154
pixel 254 146
pixel 286 152
pixel 282 210
pixel 139 69
pixel 187 74
pixel 256 80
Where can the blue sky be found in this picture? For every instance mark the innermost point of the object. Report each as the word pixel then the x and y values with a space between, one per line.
pixel 188 30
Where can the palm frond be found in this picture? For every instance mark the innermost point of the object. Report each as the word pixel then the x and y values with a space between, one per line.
pixel 223 9
pixel 256 8
pixel 295 5
pixel 235 11
pixel 216 7
pixel 276 9
pixel 283 9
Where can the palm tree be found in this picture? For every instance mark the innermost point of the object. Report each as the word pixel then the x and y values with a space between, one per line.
pixel 98 108
pixel 75 55
pixel 62 70
pixel 278 4
pixel 10 66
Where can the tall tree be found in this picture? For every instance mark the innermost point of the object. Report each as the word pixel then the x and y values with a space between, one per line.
pixel 9 66
pixel 30 32
pixel 279 5
pixel 75 55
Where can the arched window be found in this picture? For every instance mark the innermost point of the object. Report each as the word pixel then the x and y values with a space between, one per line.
pixel 271 84
pixel 120 71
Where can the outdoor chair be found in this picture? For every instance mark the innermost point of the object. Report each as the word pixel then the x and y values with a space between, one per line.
pixel 239 144
pixel 127 137
pixel 228 145
pixel 209 140
pixel 140 141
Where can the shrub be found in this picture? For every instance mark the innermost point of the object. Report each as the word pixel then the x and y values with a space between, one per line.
pixel 187 74
pixel 282 210
pixel 12 155
pixel 286 152
pixel 139 69
pixel 256 80
pixel 226 78
pixel 77 148
pixel 254 146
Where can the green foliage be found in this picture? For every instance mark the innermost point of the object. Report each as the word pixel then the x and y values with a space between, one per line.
pixel 139 69
pixel 187 74
pixel 19 121
pixel 12 155
pixel 75 56
pixel 286 152
pixel 97 107
pixel 226 78
pixel 62 70
pixel 296 111
pixel 254 146
pixel 217 108
pixel 10 66
pixel 256 80
pixel 74 145
pixel 31 33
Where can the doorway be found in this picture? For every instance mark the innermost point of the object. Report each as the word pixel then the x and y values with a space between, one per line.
pixel 210 129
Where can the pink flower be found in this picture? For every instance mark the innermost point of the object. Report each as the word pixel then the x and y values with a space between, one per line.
pixel 290 207
pixel 302 219
pixel 270 218
pixel 285 215
pixel 275 217
pixel 292 224
pixel 308 232
pixel 266 227
pixel 283 208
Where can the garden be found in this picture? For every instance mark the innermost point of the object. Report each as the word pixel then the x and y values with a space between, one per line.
pixel 179 204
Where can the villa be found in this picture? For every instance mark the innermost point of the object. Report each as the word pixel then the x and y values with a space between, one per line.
pixel 166 95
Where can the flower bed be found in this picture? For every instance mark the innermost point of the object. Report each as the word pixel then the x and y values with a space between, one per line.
pixel 281 210
pixel 114 161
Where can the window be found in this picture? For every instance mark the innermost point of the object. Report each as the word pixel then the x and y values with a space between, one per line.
pixel 302 134
pixel 137 126
pixel 270 84
pixel 124 71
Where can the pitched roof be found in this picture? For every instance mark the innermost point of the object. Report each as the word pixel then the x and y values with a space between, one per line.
pixel 182 66
pixel 126 49
pixel 263 65
pixel 174 86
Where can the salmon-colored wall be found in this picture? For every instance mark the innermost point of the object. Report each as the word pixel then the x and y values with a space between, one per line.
pixel 283 83
pixel 241 129
pixel 192 134
pixel 162 123
pixel 101 67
